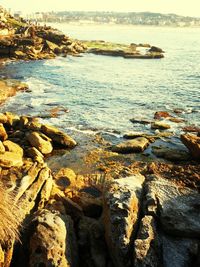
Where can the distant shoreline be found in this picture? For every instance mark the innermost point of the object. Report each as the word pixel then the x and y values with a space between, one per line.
pixel 118 25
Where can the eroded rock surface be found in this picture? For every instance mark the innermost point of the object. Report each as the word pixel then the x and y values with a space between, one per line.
pixel 121 215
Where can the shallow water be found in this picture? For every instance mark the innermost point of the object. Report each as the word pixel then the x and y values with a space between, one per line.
pixel 102 92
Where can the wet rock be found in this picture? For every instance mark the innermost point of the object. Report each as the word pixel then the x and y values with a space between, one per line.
pixel 177 206
pixel 170 153
pixel 53 242
pixel 3 133
pixel 192 142
pixel 10 159
pixel 133 135
pixel 161 114
pixel 191 129
pixel 121 214
pixel 58 136
pixel 156 49
pixel 160 125
pixel 13 147
pixel 147 245
pixel 140 121
pixel 176 120
pixel 40 141
pixel 138 144
pixel 93 249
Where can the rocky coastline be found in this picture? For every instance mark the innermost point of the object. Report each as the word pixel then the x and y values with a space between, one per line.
pixel 125 212
pixel 131 203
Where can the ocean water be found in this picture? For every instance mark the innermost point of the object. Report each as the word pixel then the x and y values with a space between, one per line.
pixel 104 93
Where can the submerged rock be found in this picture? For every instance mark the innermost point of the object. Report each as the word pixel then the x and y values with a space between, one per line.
pixel 138 144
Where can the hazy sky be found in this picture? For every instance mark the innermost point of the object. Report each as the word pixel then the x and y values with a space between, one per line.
pixel 182 7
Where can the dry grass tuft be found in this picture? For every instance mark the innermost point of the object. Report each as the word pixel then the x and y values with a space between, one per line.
pixel 10 216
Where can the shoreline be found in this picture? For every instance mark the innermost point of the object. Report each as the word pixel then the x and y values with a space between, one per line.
pixel 97 201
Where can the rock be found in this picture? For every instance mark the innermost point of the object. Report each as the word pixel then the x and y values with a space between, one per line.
pixel 147 246
pixel 65 177
pixel 178 252
pixel 90 200
pixel 35 154
pixel 12 119
pixel 170 153
pixel 176 120
pixel 3 118
pixel 45 193
pixel 138 144
pixel 41 142
pixel 140 121
pixel 2 148
pixel 161 114
pixel 58 137
pixel 177 206
pixel 3 133
pixel 121 215
pixel 27 198
pixel 10 159
pixel 156 49
pixel 51 46
pixel 13 147
pixel 133 135
pixel 53 242
pixel 192 142
pixel 191 129
pixel 93 249
pixel 160 125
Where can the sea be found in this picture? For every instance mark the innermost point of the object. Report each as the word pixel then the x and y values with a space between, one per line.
pixel 101 93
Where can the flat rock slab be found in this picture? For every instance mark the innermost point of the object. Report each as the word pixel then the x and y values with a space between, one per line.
pixel 176 206
pixel 138 144
pixel 121 214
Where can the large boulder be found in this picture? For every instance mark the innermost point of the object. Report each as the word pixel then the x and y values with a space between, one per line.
pixel 58 136
pixel 121 214
pixel 40 141
pixel 13 147
pixel 11 159
pixel 177 206
pixel 138 144
pixel 53 242
pixel 192 142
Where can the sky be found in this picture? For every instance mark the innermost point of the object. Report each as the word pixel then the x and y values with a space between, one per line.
pixel 180 7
